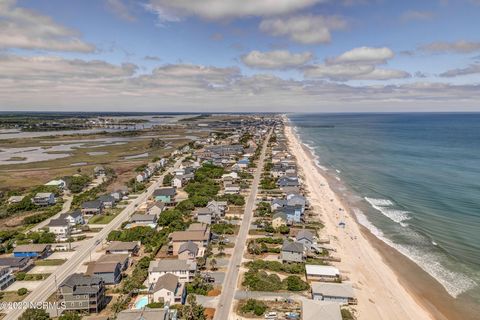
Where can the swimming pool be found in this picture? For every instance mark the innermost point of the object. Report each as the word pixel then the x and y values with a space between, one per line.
pixel 141 303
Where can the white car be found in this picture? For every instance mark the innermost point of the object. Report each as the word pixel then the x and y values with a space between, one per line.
pixel 271 315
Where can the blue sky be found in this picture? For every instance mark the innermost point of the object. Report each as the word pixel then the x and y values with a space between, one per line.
pixel 214 55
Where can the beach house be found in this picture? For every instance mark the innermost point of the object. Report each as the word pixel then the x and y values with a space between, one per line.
pixel 321 273
pixel 292 252
pixel 166 195
pixel 184 269
pixel 341 293
pixel 168 290
pixel 44 199
pixel 82 293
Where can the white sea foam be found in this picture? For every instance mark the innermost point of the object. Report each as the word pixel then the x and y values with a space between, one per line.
pixel 454 282
pixel 384 206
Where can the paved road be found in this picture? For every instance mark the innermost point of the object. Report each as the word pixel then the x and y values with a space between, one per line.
pixel 65 208
pixel 66 205
pixel 225 303
pixel 49 286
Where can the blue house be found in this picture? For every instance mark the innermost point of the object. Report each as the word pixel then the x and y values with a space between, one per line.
pixel 34 250
pixel 294 213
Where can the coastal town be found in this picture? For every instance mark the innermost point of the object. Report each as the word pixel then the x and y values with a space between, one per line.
pixel 223 227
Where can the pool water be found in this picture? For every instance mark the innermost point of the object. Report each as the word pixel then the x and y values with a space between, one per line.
pixel 141 303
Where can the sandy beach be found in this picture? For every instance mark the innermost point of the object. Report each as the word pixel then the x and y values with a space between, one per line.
pixel 379 291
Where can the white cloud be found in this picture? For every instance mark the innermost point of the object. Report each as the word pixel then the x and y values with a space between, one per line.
pixel 364 55
pixel 56 68
pixel 412 15
pixel 168 10
pixel 471 69
pixel 26 29
pixel 277 59
pixel 460 46
pixel 40 83
pixel 356 64
pixel 121 9
pixel 307 29
pixel 346 72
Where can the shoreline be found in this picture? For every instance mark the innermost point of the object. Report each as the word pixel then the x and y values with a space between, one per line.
pixel 385 281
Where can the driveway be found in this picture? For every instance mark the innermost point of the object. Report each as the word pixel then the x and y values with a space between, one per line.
pixel 60 255
pixel 207 302
pixel 43 269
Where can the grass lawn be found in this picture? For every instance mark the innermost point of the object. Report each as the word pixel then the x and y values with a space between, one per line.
pixel 11 296
pixel 103 218
pixel 35 277
pixel 51 262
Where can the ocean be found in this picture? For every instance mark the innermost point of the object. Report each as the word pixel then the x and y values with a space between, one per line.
pixel 413 180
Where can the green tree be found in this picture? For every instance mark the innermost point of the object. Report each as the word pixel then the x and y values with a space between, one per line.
pixel 167 179
pixel 254 306
pixel 294 283
pixel 70 316
pixel 192 310
pixel 22 291
pixel 34 314
pixel 213 264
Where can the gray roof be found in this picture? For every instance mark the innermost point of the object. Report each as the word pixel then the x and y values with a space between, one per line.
pixel 167 281
pixel 73 214
pixel 202 211
pixel 292 246
pixel 165 192
pixel 34 247
pixel 171 265
pixel 102 267
pixel 344 289
pixel 14 261
pixel 106 198
pixel 122 246
pixel 188 246
pixel 313 310
pixel 95 204
pixel 144 314
pixel 83 284
pixel 144 218
pixel 60 222
pixel 280 202
pixel 120 258
pixel 282 215
pixel 304 234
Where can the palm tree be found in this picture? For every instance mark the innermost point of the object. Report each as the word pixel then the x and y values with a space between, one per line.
pixel 221 249
pixel 213 264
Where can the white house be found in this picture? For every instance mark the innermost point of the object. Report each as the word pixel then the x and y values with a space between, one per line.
pixel 168 290
pixel 321 273
pixel 73 218
pixel 183 269
pixel 233 175
pixel 44 199
pixel 61 228
pixel 61 184
pixel 341 293
pixel 232 189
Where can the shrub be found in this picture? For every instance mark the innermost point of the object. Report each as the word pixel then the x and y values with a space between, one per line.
pixel 294 283
pixel 155 305
pixel 254 306
pixel 22 291
pixel 34 314
pixel 20 276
